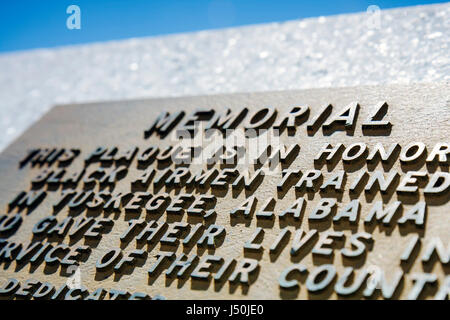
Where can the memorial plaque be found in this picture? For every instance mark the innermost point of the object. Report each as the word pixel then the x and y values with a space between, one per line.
pixel 314 194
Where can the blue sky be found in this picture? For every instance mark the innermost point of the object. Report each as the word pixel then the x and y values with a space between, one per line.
pixel 27 24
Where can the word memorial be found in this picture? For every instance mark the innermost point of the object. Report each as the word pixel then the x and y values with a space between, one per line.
pixel 314 194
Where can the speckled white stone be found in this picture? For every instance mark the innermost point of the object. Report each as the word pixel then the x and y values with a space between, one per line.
pixel 411 45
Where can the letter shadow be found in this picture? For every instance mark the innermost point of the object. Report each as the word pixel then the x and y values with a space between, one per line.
pixel 292 293
pixel 245 287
